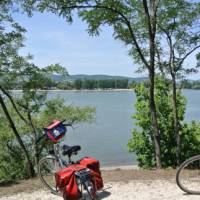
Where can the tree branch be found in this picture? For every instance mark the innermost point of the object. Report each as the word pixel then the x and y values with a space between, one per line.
pixel 187 54
pixel 13 104
pixel 147 14
pixel 126 21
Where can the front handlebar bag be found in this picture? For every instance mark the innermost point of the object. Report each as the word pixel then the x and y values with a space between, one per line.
pixel 55 131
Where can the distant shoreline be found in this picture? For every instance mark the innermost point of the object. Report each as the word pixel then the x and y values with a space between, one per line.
pixel 85 90
pixel 120 167
pixel 96 90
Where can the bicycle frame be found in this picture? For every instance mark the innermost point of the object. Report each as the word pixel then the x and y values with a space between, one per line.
pixel 57 155
pixel 86 183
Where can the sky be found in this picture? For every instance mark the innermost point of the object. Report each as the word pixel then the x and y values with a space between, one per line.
pixel 51 40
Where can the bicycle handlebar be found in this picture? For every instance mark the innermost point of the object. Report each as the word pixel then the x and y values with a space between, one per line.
pixel 67 124
pixel 44 135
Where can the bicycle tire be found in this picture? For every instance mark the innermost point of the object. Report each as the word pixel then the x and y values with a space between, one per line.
pixel 49 184
pixel 90 195
pixel 186 169
pixel 82 186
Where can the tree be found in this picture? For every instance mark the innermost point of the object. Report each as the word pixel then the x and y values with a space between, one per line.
pixel 122 83
pixel 132 84
pixel 31 103
pixel 186 84
pixel 182 36
pixel 88 84
pixel 141 141
pixel 10 42
pixel 78 84
pixel 18 137
pixel 18 70
pixel 11 156
pixel 15 69
pixel 13 164
pixel 133 22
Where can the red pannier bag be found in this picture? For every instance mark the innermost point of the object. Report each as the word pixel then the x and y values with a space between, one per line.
pixel 94 167
pixel 66 182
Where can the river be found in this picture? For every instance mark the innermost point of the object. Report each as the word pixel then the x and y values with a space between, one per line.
pixel 106 138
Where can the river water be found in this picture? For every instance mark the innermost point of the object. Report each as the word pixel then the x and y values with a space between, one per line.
pixel 106 138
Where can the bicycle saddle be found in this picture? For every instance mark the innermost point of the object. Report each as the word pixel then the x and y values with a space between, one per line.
pixel 69 150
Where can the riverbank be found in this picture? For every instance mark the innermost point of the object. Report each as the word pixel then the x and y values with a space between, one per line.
pixel 119 184
pixel 96 90
pixel 84 90
pixel 135 190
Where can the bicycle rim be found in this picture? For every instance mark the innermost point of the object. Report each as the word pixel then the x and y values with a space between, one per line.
pixel 188 176
pixel 85 193
pixel 47 168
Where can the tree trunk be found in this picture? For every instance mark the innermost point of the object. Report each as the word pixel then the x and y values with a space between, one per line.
pixel 176 121
pixel 150 12
pixel 35 146
pixel 28 122
pixel 14 129
pixel 154 123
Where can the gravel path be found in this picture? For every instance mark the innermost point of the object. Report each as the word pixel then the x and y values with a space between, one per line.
pixel 133 190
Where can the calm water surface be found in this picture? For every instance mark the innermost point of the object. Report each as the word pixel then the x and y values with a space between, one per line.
pixel 106 138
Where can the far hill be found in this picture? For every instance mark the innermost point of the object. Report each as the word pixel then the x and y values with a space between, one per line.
pixel 59 78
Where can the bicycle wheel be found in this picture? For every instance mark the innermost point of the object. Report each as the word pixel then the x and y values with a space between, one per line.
pixel 188 175
pixel 46 169
pixel 86 190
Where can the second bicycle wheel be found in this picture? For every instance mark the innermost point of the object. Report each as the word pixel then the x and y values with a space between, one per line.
pixel 46 170
pixel 188 175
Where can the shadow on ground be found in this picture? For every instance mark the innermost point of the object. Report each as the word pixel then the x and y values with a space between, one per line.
pixel 103 194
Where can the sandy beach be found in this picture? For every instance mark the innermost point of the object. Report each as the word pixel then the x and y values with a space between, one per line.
pixel 137 190
pixel 123 183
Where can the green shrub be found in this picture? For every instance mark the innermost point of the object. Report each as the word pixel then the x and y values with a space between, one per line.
pixel 13 165
pixel 141 142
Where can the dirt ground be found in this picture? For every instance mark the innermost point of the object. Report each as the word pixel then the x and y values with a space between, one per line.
pixel 124 176
pixel 119 184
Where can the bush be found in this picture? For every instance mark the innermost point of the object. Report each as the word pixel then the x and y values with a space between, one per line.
pixel 13 165
pixel 141 142
pixel 12 161
pixel 190 137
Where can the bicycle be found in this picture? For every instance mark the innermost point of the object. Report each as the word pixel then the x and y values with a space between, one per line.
pixel 188 175
pixel 50 164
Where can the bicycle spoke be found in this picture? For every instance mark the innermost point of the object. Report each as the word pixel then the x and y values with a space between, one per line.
pixel 47 169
